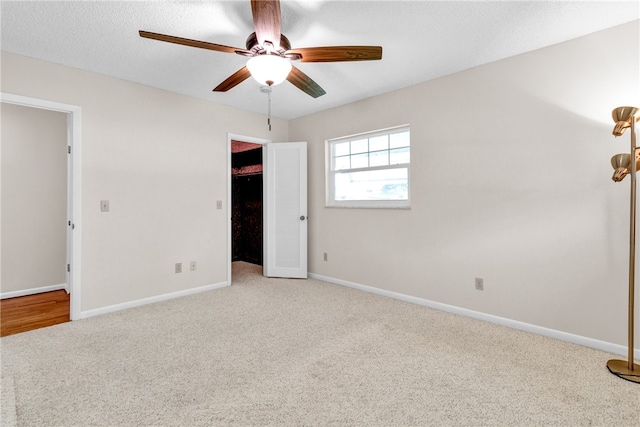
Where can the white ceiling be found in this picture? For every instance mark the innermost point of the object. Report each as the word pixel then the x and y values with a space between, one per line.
pixel 421 40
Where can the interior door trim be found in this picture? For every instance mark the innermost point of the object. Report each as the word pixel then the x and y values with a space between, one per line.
pixel 74 188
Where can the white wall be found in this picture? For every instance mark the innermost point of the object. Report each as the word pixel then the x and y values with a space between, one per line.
pixel 34 198
pixel 510 181
pixel 161 160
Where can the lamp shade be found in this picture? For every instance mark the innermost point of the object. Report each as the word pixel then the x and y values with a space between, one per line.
pixel 621 161
pixel 622 165
pixel 269 69
pixel 622 116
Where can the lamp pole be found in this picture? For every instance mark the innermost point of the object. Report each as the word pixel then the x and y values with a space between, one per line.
pixel 626 117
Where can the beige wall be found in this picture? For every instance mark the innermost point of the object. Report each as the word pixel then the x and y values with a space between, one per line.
pixel 34 197
pixel 161 160
pixel 510 181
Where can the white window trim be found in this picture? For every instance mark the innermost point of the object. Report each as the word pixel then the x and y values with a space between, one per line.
pixel 366 204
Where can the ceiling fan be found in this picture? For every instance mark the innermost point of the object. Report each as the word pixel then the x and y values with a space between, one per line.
pixel 271 54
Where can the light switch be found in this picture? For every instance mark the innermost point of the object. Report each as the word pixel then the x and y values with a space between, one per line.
pixel 104 206
pixel 219 204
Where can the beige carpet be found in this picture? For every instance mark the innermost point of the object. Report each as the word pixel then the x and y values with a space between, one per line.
pixel 275 352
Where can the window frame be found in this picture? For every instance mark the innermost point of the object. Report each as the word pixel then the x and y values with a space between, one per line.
pixel 331 202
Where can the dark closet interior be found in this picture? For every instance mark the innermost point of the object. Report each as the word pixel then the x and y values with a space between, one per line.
pixel 246 202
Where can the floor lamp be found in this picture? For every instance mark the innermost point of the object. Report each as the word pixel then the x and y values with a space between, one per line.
pixel 626 117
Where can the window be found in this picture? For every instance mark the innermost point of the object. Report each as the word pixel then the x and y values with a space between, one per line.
pixel 369 170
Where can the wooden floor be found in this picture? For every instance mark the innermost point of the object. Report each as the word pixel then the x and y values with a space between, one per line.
pixel 26 313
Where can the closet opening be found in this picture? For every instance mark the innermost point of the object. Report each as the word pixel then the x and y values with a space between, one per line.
pixel 246 202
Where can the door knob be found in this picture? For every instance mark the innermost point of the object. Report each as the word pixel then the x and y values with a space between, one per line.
pixel 302 218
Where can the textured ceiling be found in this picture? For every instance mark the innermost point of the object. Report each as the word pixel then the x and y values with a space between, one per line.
pixel 421 40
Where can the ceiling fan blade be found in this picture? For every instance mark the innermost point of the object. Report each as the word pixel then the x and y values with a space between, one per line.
pixel 305 83
pixel 235 79
pixel 337 53
pixel 266 20
pixel 193 43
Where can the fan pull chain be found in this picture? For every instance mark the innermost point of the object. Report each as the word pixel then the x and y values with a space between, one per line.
pixel 269 109
pixel 267 90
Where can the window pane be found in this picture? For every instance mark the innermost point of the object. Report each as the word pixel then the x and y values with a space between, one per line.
pixel 340 163
pixel 401 139
pixel 370 170
pixel 379 158
pixel 359 146
pixel 399 156
pixel 389 184
pixel 360 161
pixel 341 149
pixel 379 143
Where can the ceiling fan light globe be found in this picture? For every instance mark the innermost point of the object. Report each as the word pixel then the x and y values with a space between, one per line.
pixel 269 70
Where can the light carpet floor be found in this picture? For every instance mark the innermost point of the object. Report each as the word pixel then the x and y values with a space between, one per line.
pixel 277 352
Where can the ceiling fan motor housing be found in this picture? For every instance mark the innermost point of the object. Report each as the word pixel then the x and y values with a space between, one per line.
pixel 253 46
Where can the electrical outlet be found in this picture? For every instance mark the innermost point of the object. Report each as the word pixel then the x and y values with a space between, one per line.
pixel 178 267
pixel 192 266
pixel 479 284
pixel 326 257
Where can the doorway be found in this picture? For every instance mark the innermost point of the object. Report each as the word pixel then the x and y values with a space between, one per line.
pixel 73 167
pixel 284 206
pixel 246 202
pixel 34 176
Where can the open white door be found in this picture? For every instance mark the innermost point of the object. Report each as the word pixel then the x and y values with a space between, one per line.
pixel 285 209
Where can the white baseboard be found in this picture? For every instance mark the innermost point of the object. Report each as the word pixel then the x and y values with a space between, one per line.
pixel 510 323
pixel 33 291
pixel 150 300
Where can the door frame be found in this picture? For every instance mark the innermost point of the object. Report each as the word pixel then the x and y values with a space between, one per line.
pixel 252 140
pixel 74 177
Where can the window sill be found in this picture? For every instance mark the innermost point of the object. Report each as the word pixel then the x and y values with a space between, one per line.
pixel 406 208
